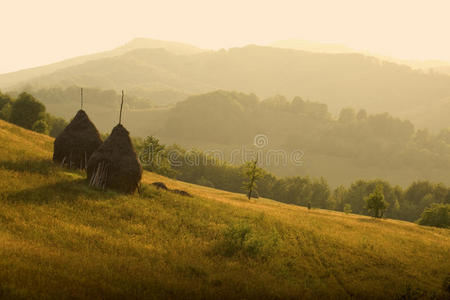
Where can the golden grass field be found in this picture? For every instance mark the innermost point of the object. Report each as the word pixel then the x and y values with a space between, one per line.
pixel 60 239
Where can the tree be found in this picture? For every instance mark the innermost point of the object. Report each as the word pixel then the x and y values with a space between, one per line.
pixel 154 157
pixel 26 110
pixel 40 126
pixel 252 173
pixel 5 112
pixel 347 208
pixel 361 115
pixel 205 182
pixel 337 200
pixel 320 193
pixel 56 125
pixel 5 106
pixel 436 215
pixel 375 202
pixel 347 115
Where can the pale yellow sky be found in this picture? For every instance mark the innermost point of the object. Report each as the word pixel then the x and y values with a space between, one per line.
pixel 40 32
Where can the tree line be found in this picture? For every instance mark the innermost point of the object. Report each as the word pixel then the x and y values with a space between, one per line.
pixel 422 201
pixel 366 144
pixel 28 112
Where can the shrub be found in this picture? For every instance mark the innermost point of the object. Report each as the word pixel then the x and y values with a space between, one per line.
pixel 245 240
pixel 376 203
pixel 56 125
pixel 40 126
pixel 437 215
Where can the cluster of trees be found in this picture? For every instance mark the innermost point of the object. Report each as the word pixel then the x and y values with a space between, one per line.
pixel 366 197
pixel 71 95
pixel 368 145
pixel 27 112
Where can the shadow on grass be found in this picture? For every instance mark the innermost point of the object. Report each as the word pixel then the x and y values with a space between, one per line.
pixel 62 191
pixel 39 166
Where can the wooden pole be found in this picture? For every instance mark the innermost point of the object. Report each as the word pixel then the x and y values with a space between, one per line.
pixel 121 105
pixel 81 98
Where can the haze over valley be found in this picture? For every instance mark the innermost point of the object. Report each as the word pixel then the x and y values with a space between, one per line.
pixel 225 149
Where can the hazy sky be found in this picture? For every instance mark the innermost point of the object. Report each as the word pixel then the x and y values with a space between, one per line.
pixel 40 32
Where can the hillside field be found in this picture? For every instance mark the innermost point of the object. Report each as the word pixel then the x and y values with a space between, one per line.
pixel 60 239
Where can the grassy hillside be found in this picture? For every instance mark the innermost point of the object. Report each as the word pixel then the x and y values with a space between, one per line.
pixel 60 239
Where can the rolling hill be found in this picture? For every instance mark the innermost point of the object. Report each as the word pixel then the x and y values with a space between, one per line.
pixel 338 80
pixel 304 45
pixel 14 78
pixel 60 239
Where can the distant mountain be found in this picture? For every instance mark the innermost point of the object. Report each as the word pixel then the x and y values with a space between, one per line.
pixel 172 47
pixel 14 78
pixel 439 66
pixel 304 45
pixel 338 80
pixel 442 69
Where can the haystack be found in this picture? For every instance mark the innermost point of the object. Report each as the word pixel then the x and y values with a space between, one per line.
pixel 76 143
pixel 115 165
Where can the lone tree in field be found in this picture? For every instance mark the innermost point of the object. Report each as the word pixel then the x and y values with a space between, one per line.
pixel 75 144
pixel 375 203
pixel 252 173
pixel 115 165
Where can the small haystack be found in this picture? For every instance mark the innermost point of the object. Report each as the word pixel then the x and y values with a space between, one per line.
pixel 115 165
pixel 75 145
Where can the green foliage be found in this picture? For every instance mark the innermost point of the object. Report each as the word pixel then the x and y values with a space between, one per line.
pixel 337 198
pixel 437 215
pixel 347 208
pixel 361 189
pixel 5 112
pixel 251 173
pixel 29 113
pixel 154 157
pixel 375 202
pixel 356 141
pixel 56 125
pixel 200 168
pixel 320 193
pixel 243 239
pixel 61 239
pixel 205 182
pixel 26 110
pixel 40 126
pixel 420 195
pixel 5 106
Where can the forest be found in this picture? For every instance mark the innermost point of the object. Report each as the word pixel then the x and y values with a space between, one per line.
pixel 200 168
pixel 342 147
pixel 355 144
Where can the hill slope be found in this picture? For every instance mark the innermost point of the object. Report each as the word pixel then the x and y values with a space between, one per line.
pixel 14 78
pixel 338 80
pixel 60 239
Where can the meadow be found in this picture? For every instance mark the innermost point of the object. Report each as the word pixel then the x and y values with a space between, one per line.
pixel 60 239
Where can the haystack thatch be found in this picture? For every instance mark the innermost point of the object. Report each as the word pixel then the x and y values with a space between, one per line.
pixel 115 165
pixel 76 143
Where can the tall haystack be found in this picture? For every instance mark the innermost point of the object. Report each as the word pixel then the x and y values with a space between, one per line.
pixel 115 165
pixel 75 145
